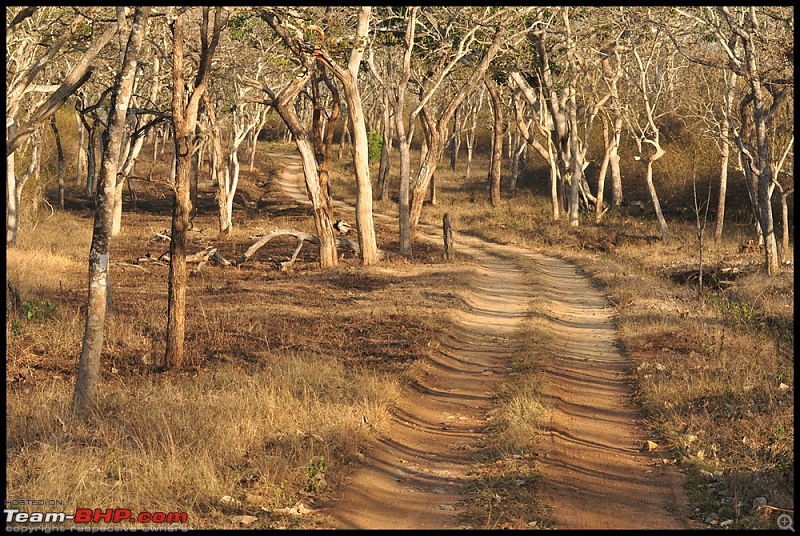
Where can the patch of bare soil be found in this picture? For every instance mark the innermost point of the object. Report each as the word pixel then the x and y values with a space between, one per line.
pixel 594 474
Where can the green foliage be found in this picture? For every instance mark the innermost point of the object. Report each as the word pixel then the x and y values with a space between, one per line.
pixel 374 146
pixel 32 311
pixel 242 25
pixel 315 473
pixel 38 309
pixel 16 328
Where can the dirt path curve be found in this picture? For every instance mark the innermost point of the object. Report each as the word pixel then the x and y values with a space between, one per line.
pixel 593 475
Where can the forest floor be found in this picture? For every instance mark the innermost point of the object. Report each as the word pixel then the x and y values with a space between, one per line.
pixel 594 471
pixel 541 378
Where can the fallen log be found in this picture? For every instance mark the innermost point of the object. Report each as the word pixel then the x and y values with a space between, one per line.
pixel 300 236
pixel 211 252
pixel 201 258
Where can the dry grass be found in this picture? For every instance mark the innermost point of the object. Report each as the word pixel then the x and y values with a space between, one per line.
pixel 283 367
pixel 283 371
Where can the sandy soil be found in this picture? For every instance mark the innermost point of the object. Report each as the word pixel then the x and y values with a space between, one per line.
pixel 594 474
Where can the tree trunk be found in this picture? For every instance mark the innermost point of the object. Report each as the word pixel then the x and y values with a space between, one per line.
pixel 254 139
pixel 436 129
pixel 470 140
pixel 12 202
pixel 495 168
pixel 349 79
pixel 323 134
pixel 723 188
pixel 454 142
pixel 576 159
pixel 555 179
pixel 60 162
pixel 184 117
pixel 725 139
pixel 81 153
pixel 601 177
pixel 344 138
pixel 364 221
pixel 95 133
pixel 386 149
pixel 662 223
pixel 405 179
pixel 85 394
pixel 785 224
pixel 617 196
pixel 285 106
pixel 15 184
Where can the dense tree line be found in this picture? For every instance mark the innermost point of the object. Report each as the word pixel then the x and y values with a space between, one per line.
pixel 554 79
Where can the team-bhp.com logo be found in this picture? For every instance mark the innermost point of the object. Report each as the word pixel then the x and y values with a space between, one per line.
pixel 84 518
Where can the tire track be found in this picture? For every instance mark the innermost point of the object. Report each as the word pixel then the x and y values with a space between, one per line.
pixel 593 475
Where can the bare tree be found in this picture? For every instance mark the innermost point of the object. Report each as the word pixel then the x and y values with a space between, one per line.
pixel 653 67
pixel 397 88
pixel 348 77
pixel 496 28
pixel 541 120
pixel 85 392
pixel 142 121
pixel 185 107
pixel 284 102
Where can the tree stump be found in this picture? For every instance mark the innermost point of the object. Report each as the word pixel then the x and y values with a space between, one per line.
pixel 447 234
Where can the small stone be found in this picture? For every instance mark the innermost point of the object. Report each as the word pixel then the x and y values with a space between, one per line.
pixel 244 520
pixel 649 446
pixel 230 501
pixel 758 502
pixel 712 519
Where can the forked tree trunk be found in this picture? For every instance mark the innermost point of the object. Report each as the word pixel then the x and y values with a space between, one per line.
pixel 365 224
pixel 437 129
pixel 323 135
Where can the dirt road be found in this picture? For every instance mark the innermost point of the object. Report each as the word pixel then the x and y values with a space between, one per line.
pixel 593 473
